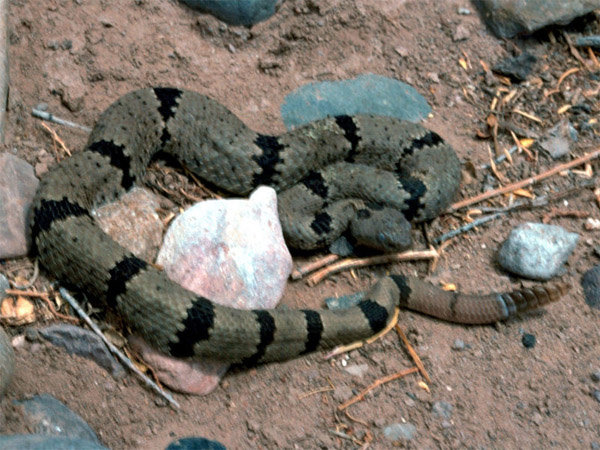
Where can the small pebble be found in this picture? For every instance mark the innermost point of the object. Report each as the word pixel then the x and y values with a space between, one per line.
pixel 458 345
pixel 464 11
pixel 528 340
pixel 400 432
pixel 597 395
pixel 596 376
pixel 442 409
pixel 42 106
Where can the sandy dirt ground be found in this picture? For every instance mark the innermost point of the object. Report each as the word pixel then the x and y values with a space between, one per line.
pixel 79 56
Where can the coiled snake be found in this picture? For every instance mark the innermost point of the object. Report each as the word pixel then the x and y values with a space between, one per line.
pixel 366 174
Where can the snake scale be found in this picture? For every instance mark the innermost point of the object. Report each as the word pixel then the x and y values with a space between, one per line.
pixel 367 175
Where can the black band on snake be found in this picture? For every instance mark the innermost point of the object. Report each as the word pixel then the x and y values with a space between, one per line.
pixel 366 175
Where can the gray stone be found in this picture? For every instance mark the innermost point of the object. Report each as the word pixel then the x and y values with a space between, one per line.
pixel 345 301
pixel 458 345
pixel 596 395
pixel 400 431
pixel 46 415
pixel 81 342
pixel 537 251
pixel 195 443
pixel 591 287
pixel 17 188
pixel 442 409
pixel 365 94
pixel 558 138
pixel 596 376
pixel 7 361
pixel 133 222
pixel 357 370
pixel 237 12
pixel 507 18
pixel 45 442
pixel 517 68
pixel 231 251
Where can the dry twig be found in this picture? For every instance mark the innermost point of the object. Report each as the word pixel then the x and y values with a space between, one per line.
pixel 526 182
pixel 375 384
pixel 351 263
pixel 124 359
pixel 413 354
pixel 300 272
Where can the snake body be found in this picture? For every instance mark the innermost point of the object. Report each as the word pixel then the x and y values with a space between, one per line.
pixel 367 175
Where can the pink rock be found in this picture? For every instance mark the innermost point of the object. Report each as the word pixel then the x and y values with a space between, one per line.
pixel 132 221
pixel 233 252
pixel 17 188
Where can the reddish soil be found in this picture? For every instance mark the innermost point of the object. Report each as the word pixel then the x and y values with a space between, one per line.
pixel 78 57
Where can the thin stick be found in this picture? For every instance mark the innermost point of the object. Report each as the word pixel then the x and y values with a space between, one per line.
pixel 467 227
pixel 413 354
pixel 51 118
pixel 523 183
pixel 500 158
pixel 375 384
pixel 358 344
pixel 300 272
pixel 351 263
pixel 124 359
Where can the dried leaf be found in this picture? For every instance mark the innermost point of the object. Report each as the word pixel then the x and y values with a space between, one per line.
pixel 19 311
pixel 463 63
pixel 527 142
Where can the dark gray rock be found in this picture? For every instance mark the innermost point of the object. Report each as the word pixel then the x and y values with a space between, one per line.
pixel 516 68
pixel 537 251
pixel 365 94
pixel 44 442
pixel 47 416
pixel 596 395
pixel 237 12
pixel 400 432
pixel 78 341
pixel 7 360
pixel 591 287
pixel 442 409
pixel 507 18
pixel 528 340
pixel 195 443
pixel 17 187
pixel 596 376
pixel 558 139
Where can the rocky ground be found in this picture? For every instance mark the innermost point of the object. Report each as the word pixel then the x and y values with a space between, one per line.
pixel 491 391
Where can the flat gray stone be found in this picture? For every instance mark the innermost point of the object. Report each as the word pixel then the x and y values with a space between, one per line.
pixel 591 287
pixel 47 416
pixel 400 431
pixel 558 139
pixel 17 188
pixel 507 18
pixel 536 250
pixel 195 443
pixel 442 409
pixel 365 94
pixel 237 12
pixel 81 342
pixel 44 442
